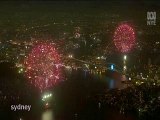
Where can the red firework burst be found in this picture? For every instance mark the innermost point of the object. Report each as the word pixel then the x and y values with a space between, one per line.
pixel 124 38
pixel 43 66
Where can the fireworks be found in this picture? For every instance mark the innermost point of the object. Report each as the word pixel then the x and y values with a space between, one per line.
pixel 43 66
pixel 124 38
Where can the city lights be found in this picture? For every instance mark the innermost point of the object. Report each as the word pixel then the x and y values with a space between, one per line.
pixel 70 56
pixel 79 60
pixel 124 67
pixel 21 70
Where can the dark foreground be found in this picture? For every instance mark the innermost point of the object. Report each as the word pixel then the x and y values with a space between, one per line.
pixel 81 98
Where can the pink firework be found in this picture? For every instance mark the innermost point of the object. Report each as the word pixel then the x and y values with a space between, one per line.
pixel 124 38
pixel 43 66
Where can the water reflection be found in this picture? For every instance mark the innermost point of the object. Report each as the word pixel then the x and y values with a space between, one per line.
pixel 48 115
pixel 112 81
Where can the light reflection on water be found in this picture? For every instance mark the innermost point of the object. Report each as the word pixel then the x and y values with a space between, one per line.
pixel 110 82
pixel 48 115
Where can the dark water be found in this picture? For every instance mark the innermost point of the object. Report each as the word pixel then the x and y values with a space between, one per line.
pixel 111 79
pixel 73 99
pixel 82 84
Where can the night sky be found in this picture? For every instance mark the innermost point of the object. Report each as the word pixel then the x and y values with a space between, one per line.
pixel 22 21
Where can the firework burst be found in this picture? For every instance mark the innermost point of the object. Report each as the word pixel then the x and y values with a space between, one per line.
pixel 124 38
pixel 43 66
